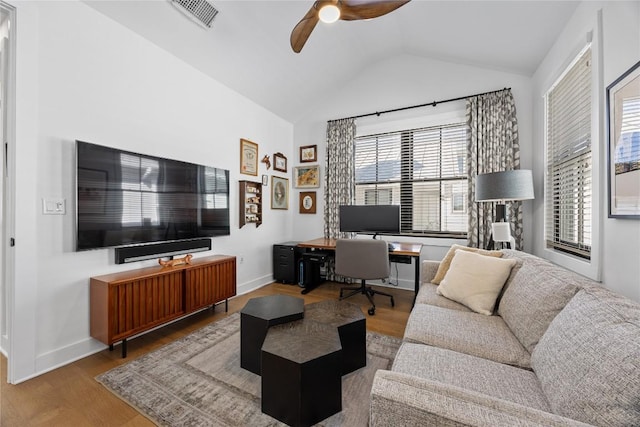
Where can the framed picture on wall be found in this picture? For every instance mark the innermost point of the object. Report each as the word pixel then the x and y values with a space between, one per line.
pixel 623 114
pixel 248 157
pixel 307 176
pixel 279 162
pixel 309 153
pixel 308 202
pixel 279 192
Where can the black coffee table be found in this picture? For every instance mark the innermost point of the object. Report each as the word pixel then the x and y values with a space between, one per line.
pixel 302 372
pixel 255 319
pixel 352 328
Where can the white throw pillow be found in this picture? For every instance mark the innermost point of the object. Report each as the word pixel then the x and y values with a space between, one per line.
pixel 446 261
pixel 475 280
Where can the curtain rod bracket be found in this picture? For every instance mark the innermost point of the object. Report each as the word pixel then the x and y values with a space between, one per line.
pixel 434 104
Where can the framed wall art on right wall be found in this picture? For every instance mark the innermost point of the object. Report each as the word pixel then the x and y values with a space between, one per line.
pixel 623 120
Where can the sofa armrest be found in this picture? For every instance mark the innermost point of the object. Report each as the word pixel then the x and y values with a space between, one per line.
pixel 429 270
pixel 401 399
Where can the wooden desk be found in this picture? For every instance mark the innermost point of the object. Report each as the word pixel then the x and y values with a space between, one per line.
pixel 400 249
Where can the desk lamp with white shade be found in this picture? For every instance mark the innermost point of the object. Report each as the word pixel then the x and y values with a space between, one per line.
pixel 500 187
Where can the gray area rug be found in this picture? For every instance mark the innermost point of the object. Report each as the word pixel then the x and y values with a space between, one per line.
pixel 197 381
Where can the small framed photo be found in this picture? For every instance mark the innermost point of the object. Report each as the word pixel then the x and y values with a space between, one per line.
pixel 279 162
pixel 248 157
pixel 308 202
pixel 623 114
pixel 279 192
pixel 307 176
pixel 265 180
pixel 309 153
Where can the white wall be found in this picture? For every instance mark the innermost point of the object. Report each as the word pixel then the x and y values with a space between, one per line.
pixel 402 81
pixel 616 46
pixel 83 76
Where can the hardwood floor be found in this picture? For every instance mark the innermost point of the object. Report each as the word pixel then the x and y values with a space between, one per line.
pixel 70 396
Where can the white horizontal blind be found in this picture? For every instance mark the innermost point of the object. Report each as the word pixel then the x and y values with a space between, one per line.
pixel 422 170
pixel 569 183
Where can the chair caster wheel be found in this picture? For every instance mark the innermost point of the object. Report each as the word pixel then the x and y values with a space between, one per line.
pixel 393 304
pixel 372 311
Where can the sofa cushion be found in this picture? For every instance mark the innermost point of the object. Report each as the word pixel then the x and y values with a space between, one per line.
pixel 535 295
pixel 475 280
pixel 467 332
pixel 471 373
pixel 428 295
pixel 446 261
pixel 428 270
pixel 588 361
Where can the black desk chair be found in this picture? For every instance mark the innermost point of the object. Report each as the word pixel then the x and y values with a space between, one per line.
pixel 364 260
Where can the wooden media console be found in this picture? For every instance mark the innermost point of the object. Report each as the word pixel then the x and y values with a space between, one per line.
pixel 128 303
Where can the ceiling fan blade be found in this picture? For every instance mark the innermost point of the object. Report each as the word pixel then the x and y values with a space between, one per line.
pixel 303 29
pixel 352 11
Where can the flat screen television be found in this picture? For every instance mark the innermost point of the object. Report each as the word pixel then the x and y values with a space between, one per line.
pixel 125 198
pixel 375 219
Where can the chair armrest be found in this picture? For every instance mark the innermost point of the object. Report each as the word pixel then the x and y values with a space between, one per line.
pixel 429 270
pixel 401 399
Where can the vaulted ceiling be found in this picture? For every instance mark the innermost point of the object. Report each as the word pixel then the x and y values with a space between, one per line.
pixel 248 49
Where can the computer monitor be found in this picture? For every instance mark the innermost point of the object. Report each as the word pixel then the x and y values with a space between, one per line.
pixel 375 219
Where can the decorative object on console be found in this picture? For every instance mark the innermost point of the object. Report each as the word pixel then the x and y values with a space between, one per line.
pixel 248 157
pixel 307 176
pixel 623 112
pixel 504 186
pixel 279 162
pixel 266 160
pixel 308 202
pixel 309 153
pixel 174 262
pixel 279 193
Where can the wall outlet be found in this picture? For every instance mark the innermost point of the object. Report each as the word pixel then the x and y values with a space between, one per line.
pixel 241 259
pixel 54 206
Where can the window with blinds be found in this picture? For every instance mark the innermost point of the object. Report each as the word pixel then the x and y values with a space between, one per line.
pixel 423 171
pixel 569 183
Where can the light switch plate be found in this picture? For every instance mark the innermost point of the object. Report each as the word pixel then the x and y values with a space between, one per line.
pixel 54 206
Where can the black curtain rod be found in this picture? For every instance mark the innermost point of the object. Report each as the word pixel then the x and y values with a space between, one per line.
pixel 432 104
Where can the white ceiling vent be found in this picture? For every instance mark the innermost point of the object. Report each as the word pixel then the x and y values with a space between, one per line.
pixel 200 11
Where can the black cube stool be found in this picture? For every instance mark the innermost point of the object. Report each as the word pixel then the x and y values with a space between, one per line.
pixel 256 317
pixel 301 373
pixel 352 328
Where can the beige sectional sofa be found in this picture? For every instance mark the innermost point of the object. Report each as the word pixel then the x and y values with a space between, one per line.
pixel 560 350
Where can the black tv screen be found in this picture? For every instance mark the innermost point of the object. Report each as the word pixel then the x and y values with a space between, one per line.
pixel 377 219
pixel 125 198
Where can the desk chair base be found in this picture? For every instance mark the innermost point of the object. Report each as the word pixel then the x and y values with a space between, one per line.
pixel 368 291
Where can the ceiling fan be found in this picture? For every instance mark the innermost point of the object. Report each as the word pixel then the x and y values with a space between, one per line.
pixel 332 10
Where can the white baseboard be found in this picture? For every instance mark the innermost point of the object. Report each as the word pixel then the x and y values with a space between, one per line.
pixel 254 284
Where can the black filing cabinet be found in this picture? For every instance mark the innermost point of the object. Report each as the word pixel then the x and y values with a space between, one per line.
pixel 286 257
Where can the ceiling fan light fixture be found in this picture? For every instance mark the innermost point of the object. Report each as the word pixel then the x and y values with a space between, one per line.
pixel 329 13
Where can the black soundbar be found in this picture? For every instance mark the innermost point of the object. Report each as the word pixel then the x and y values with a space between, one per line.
pixel 158 250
